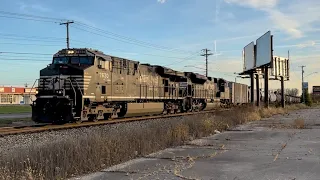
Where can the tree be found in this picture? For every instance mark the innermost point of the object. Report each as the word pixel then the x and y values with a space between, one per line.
pixel 307 97
pixel 292 92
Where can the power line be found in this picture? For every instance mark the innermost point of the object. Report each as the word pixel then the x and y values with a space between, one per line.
pixel 29 15
pixel 30 53
pixel 30 44
pixel 184 59
pixel 22 59
pixel 115 36
pixel 27 39
pixel 30 37
pixel 121 40
pixel 51 19
pixel 130 39
pixel 27 19
pixel 46 54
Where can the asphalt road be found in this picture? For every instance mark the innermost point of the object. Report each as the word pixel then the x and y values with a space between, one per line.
pixel 266 149
pixel 14 116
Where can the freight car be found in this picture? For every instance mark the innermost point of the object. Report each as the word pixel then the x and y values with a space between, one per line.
pixel 275 98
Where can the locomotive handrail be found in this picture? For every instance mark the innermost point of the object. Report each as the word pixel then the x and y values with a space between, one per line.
pixel 32 88
pixel 75 93
pixel 78 86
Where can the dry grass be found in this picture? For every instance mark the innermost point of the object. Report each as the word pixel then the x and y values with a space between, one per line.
pixel 299 124
pixel 100 149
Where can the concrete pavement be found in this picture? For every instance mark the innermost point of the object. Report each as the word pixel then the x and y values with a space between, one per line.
pixel 268 149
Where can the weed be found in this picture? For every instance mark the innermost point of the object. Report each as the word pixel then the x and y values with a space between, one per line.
pixel 299 124
pixel 101 148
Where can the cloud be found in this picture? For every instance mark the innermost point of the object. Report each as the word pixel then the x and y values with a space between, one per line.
pixel 310 43
pixel 257 4
pixel 286 23
pixel 161 1
pixel 33 7
pixel 293 19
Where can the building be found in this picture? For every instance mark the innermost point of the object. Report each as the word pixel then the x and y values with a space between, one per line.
pixel 316 93
pixel 17 95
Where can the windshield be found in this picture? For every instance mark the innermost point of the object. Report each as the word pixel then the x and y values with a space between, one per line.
pixel 73 60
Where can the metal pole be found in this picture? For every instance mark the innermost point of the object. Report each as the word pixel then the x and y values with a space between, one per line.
pixel 266 86
pixel 258 90
pixel 252 87
pixel 282 92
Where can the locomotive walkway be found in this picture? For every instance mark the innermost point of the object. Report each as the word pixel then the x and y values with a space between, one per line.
pixel 272 148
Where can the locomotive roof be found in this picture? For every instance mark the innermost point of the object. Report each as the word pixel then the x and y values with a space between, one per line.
pixel 95 52
pixel 88 52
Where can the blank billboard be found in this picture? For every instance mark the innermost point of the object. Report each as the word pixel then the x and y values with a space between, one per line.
pixel 248 57
pixel 264 50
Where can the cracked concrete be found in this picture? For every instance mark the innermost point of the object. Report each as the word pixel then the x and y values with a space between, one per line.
pixel 266 149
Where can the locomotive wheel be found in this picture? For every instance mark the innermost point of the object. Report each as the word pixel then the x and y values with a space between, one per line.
pixel 78 120
pixel 93 118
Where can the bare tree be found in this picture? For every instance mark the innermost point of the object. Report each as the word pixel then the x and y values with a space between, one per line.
pixel 288 91
pixel 292 92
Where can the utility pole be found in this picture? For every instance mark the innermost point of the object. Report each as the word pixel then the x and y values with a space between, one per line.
pixel 67 25
pixel 206 55
pixel 303 99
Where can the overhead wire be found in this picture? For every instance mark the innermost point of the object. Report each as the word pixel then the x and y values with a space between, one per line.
pixel 30 44
pixel 120 40
pixel 30 37
pixel 101 32
pixel 129 39
pixel 115 36
pixel 29 53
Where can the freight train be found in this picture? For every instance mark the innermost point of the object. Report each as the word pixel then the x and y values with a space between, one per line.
pixel 84 84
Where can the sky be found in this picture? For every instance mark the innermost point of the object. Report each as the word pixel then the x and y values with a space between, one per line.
pixel 170 33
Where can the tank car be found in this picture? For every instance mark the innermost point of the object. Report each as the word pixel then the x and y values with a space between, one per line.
pixel 87 85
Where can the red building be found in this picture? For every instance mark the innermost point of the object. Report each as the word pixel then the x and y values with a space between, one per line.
pixel 17 95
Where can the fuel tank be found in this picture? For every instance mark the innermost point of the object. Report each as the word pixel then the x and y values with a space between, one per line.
pixel 214 105
pixel 137 109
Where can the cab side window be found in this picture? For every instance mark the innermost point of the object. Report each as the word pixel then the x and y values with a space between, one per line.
pixel 101 63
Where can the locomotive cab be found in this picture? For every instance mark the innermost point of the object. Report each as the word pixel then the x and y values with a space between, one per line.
pixel 61 86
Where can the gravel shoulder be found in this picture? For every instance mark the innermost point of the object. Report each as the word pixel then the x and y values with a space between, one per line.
pixel 273 148
pixel 15 115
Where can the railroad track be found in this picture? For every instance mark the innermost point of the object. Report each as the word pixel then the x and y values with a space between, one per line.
pixel 5 131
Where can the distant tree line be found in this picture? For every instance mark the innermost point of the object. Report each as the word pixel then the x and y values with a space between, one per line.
pixel 288 91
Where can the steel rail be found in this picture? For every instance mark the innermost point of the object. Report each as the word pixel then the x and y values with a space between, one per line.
pixel 5 131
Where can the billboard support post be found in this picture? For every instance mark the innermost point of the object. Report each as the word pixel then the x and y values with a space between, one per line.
pixel 258 90
pixel 266 86
pixel 282 92
pixel 252 87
